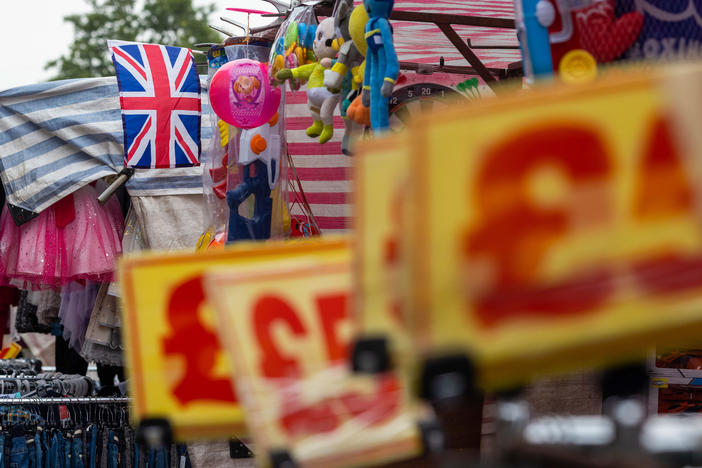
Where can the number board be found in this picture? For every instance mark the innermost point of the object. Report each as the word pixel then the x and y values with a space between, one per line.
pixel 287 328
pixel 177 367
pixel 554 229
pixel 381 177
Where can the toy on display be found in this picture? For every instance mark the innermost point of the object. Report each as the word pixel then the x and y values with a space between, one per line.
pixel 382 66
pixel 247 177
pixel 259 157
pixel 573 37
pixel 320 100
pixel 241 94
pixel 346 74
pixel 355 110
pixel 294 41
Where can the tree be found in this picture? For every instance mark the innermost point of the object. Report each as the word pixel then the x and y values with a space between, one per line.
pixel 168 22
pixel 177 22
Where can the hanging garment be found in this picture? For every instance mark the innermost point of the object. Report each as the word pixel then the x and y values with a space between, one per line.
pixel 170 222
pixel 48 307
pixel 77 303
pixel 26 320
pixel 75 239
pixel 103 342
pixel 9 296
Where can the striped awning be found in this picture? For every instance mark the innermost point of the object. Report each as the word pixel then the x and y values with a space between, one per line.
pixel 425 43
pixel 59 136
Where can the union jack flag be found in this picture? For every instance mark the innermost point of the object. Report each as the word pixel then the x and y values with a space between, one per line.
pixel 159 93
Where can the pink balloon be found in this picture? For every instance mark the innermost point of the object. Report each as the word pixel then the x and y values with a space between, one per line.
pixel 241 94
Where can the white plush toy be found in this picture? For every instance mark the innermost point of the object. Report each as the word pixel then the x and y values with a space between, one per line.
pixel 320 100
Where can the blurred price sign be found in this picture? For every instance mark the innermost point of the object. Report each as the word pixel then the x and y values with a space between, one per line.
pixel 287 327
pixel 555 229
pixel 177 368
pixel 381 172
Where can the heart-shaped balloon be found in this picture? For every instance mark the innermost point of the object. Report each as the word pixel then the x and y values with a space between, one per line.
pixel 605 36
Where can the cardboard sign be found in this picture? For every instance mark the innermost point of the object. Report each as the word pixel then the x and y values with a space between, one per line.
pixel 287 327
pixel 381 176
pixel 177 368
pixel 554 230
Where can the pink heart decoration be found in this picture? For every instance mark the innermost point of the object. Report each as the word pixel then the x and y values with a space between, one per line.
pixel 605 37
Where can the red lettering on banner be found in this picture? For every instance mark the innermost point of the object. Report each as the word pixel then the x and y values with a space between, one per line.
pixel 664 189
pixel 298 418
pixel 328 414
pixel 333 310
pixel 668 274
pixel 308 420
pixel 664 192
pixel 377 408
pixel 268 311
pixel 196 345
pixel 514 233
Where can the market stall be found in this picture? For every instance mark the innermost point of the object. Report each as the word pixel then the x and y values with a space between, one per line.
pixel 326 240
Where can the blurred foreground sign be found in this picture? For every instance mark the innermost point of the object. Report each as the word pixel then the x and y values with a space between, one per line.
pixel 555 229
pixel 287 327
pixel 177 368
pixel 381 176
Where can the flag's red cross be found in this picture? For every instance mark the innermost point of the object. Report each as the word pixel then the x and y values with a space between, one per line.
pixel 162 102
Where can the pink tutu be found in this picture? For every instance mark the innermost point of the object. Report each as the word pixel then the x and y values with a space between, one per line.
pixel 66 242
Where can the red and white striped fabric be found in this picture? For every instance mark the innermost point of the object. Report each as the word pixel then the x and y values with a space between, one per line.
pixel 425 43
pixel 324 171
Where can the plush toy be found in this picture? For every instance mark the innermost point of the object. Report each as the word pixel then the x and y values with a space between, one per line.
pixel 320 100
pixel 293 48
pixel 382 66
pixel 345 72
pixel 359 113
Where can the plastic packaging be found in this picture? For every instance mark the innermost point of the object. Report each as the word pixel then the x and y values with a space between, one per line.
pixel 214 162
pixel 222 168
pixel 293 42
pixel 256 189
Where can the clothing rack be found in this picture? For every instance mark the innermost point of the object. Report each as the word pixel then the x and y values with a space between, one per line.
pixel 21 364
pixel 64 400
pixel 91 368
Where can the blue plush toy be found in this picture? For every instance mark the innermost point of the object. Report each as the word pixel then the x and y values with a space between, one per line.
pixel 382 66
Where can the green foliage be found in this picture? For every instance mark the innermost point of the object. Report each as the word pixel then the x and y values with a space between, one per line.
pixel 168 22
pixel 176 22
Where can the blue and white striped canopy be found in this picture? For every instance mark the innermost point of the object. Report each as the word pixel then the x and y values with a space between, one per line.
pixel 58 136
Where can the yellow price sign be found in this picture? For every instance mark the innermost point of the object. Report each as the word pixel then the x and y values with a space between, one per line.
pixel 381 173
pixel 287 327
pixel 177 367
pixel 554 229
